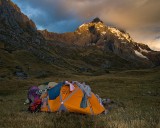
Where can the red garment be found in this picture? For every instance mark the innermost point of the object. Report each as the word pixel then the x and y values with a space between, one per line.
pixel 35 106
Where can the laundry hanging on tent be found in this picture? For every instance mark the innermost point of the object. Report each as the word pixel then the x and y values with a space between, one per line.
pixel 52 84
pixel 85 88
pixel 71 86
pixel 46 86
pixel 42 89
pixel 100 99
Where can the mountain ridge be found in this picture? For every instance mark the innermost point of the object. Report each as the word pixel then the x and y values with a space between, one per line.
pixel 109 38
pixel 85 50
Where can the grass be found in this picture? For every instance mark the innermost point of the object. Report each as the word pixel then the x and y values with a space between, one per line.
pixel 136 93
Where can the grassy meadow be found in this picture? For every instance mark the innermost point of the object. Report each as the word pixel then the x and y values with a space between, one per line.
pixel 136 94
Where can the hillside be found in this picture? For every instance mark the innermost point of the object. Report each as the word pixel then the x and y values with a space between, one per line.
pixel 93 48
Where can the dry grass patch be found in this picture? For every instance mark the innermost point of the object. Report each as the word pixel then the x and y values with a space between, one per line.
pixel 137 102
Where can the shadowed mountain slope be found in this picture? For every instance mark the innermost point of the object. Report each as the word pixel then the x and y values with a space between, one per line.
pixel 93 47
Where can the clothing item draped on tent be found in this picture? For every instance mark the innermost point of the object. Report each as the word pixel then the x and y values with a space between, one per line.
pixel 64 96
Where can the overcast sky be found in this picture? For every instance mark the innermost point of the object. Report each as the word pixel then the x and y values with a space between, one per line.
pixel 141 18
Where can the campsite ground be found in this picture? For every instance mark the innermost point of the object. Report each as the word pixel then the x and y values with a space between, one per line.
pixel 136 94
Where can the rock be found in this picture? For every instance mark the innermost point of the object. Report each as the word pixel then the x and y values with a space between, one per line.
pixel 106 65
pixel 96 20
pixel 21 74
pixel 83 69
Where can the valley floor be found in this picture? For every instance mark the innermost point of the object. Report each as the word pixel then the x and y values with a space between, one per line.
pixel 135 92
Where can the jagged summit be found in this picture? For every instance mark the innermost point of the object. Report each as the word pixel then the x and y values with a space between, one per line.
pixel 110 39
pixel 98 27
pixel 96 20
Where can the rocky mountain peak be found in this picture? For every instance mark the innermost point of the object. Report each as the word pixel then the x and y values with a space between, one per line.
pixel 12 16
pixel 96 20
pixel 98 27
pixel 95 26
pixel 17 31
pixel 9 3
pixel 122 35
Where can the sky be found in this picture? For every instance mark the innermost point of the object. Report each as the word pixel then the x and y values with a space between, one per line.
pixel 140 18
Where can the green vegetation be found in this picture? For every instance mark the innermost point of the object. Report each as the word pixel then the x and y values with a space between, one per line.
pixel 136 93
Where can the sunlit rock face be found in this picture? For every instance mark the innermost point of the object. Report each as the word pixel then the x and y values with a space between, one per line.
pixel 109 39
pixel 17 31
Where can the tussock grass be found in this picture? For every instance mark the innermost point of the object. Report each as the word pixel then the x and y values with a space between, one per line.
pixel 137 102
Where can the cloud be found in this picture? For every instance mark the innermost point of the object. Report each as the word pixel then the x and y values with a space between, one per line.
pixel 155 44
pixel 138 17
pixel 48 14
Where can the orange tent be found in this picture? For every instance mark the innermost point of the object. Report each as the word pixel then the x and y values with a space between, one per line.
pixel 70 101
